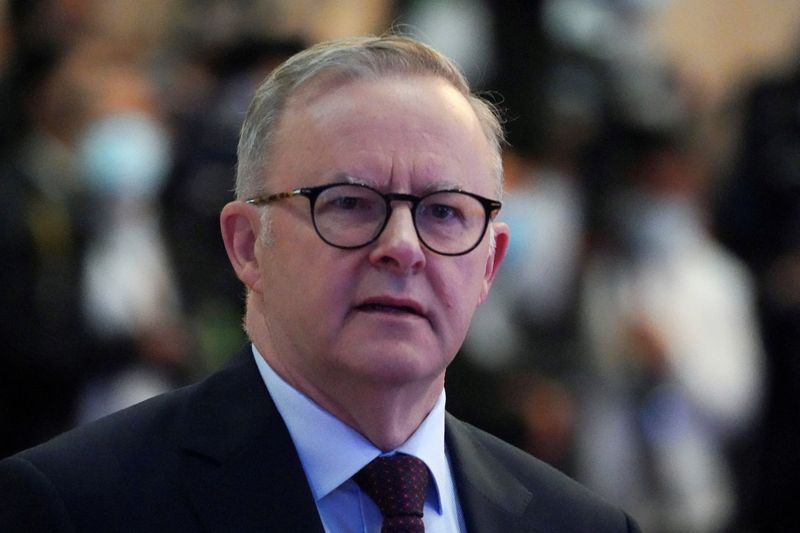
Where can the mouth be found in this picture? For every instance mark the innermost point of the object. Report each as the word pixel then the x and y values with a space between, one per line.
pixel 391 307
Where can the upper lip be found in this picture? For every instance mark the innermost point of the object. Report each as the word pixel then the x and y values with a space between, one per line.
pixel 393 301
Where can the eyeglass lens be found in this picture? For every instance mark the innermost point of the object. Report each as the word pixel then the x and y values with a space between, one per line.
pixel 351 216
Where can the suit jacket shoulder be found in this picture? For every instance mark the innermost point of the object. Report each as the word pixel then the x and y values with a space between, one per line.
pixel 214 456
pixel 503 489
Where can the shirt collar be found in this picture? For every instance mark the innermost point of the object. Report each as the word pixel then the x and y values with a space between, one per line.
pixel 332 452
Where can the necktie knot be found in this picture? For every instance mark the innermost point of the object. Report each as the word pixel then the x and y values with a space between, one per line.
pixel 397 484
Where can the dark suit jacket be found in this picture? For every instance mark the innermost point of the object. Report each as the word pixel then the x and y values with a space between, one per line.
pixel 216 456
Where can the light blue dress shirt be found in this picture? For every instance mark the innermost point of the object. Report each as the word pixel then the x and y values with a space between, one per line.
pixel 332 452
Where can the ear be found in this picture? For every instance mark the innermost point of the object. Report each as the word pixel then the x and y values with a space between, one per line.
pixel 240 227
pixel 495 259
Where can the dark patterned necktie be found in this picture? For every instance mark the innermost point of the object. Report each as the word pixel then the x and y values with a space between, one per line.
pixel 397 484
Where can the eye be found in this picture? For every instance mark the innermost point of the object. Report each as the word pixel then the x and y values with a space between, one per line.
pixel 350 203
pixel 347 202
pixel 348 199
pixel 443 212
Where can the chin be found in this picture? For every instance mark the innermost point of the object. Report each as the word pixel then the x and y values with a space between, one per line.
pixel 397 366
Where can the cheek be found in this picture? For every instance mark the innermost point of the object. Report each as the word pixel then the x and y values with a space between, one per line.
pixel 307 304
pixel 320 284
pixel 459 294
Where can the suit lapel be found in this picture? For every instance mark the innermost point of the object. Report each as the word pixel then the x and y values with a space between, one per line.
pixel 492 499
pixel 238 464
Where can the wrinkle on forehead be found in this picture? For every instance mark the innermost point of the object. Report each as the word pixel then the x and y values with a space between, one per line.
pixel 432 186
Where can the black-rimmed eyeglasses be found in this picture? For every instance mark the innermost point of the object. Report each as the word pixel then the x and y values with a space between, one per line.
pixel 351 215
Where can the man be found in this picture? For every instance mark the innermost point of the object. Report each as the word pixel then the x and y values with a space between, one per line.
pixel 364 233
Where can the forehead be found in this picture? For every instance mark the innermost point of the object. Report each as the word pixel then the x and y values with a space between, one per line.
pixel 393 132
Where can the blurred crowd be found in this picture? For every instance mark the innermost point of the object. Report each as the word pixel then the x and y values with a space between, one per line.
pixel 642 333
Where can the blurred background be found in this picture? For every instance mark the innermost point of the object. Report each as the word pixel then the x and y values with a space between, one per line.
pixel 643 334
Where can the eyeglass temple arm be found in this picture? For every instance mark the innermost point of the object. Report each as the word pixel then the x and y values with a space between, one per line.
pixel 269 198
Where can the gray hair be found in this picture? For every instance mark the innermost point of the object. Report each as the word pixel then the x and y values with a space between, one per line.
pixel 344 60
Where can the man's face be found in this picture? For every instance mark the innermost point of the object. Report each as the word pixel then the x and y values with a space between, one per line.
pixel 392 313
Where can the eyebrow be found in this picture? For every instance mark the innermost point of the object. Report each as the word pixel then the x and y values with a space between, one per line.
pixel 435 186
pixel 355 180
pixel 442 186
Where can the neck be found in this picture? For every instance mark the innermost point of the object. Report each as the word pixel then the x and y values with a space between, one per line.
pixel 387 417
pixel 386 414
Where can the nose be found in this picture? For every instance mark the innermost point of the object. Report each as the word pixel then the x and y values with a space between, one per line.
pixel 398 247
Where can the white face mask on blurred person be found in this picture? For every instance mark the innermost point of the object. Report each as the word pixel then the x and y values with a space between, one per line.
pixel 125 155
pixel 125 160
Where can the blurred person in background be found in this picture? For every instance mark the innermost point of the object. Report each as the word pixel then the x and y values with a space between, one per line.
pixel 676 360
pixel 132 308
pixel 527 329
pixel 758 217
